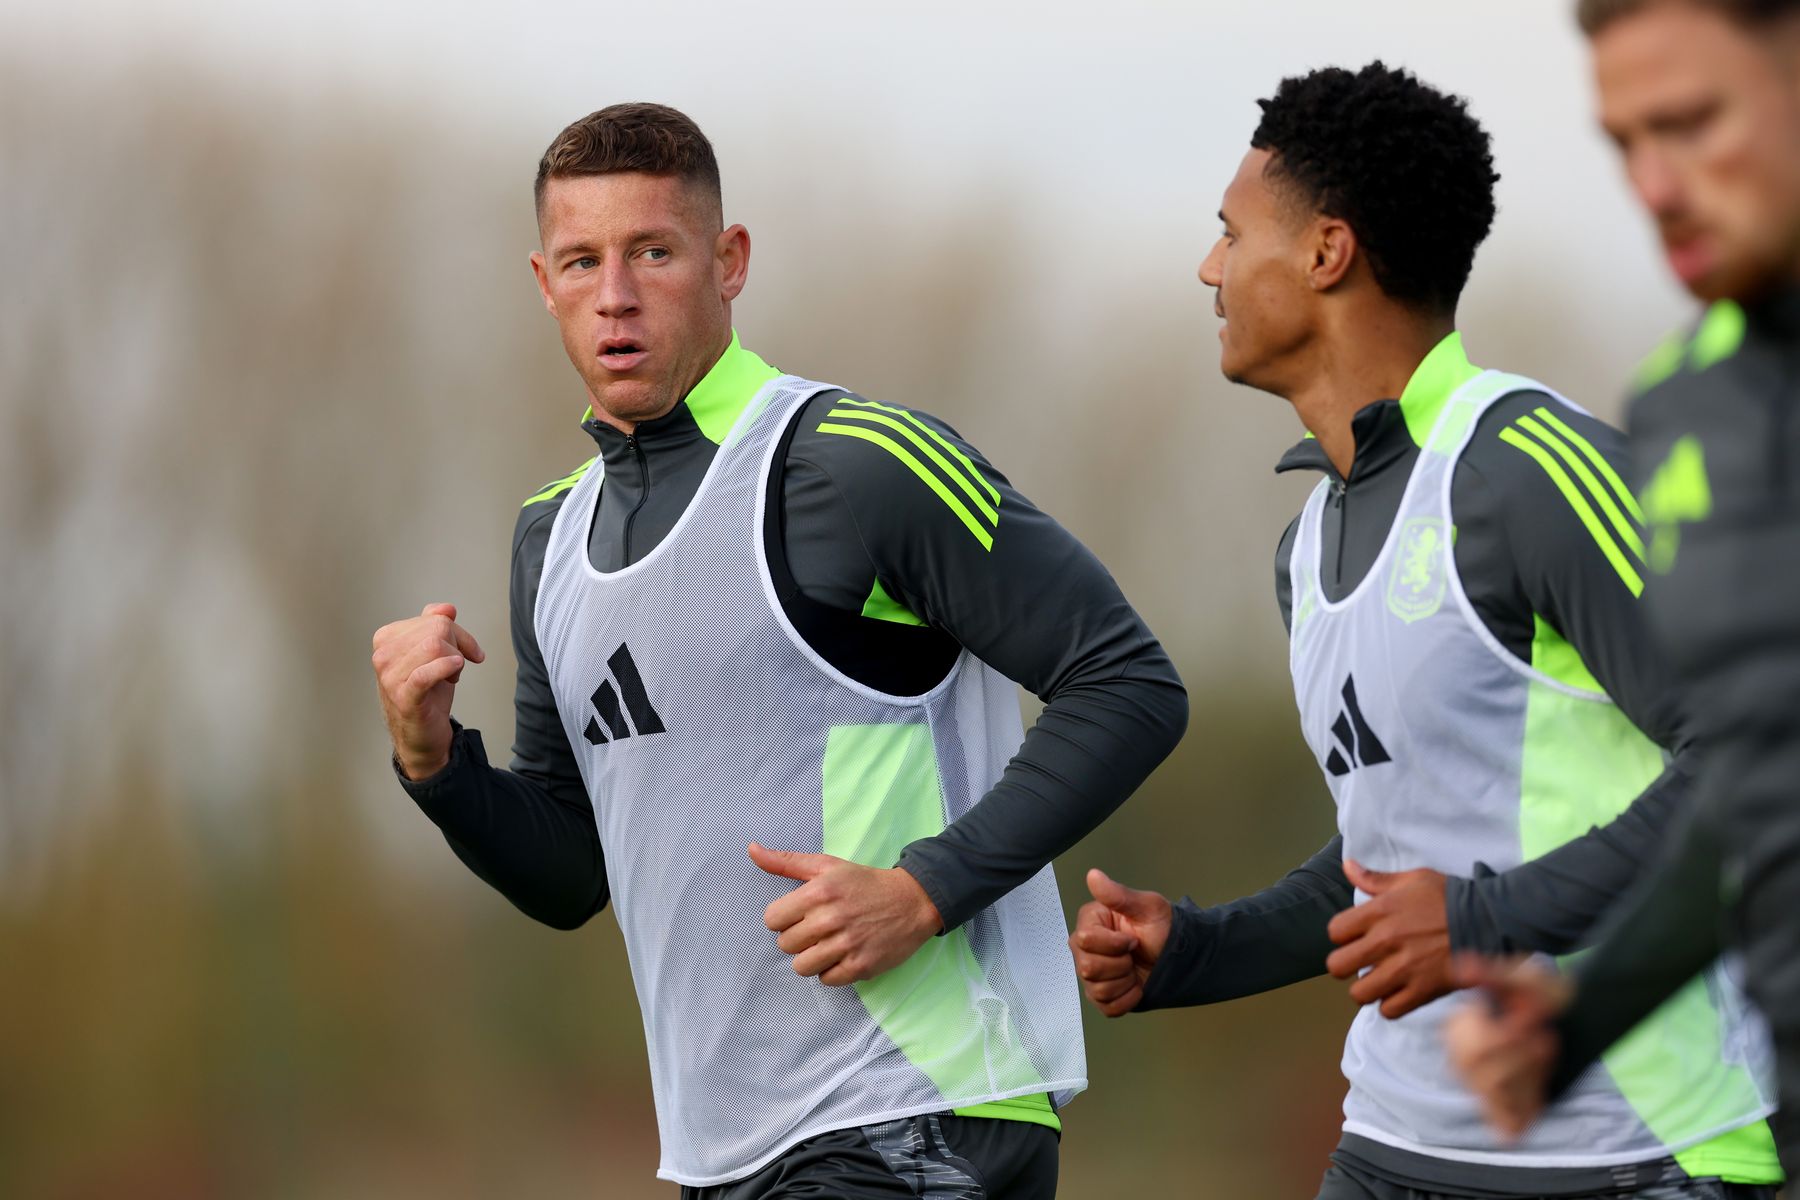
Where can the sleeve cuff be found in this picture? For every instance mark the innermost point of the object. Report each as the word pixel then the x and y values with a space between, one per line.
pixel 934 891
pixel 1160 990
pixel 465 747
pixel 1472 927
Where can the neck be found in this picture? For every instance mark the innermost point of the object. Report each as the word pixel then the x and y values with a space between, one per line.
pixel 1366 359
pixel 676 395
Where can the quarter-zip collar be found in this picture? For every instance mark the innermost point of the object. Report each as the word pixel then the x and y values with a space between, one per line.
pixel 708 411
pixel 653 472
pixel 1388 431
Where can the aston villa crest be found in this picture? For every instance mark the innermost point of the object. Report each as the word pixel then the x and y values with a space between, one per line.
pixel 1416 579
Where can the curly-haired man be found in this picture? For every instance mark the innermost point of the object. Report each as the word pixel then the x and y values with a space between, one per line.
pixel 1473 674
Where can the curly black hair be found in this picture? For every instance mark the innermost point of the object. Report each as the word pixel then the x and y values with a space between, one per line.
pixel 1404 164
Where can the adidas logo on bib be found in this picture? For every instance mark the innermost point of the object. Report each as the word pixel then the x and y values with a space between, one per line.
pixel 1360 746
pixel 606 702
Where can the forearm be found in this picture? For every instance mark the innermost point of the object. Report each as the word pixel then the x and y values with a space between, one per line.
pixel 1551 904
pixel 1261 942
pixel 1661 935
pixel 1006 583
pixel 1092 746
pixel 539 850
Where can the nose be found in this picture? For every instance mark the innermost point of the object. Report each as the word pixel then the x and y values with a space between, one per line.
pixel 1212 267
pixel 1655 181
pixel 617 294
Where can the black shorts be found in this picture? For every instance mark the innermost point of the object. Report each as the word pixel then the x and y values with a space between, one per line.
pixel 1350 1180
pixel 936 1156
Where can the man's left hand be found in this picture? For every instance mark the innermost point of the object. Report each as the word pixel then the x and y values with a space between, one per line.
pixel 846 922
pixel 1505 1044
pixel 1401 932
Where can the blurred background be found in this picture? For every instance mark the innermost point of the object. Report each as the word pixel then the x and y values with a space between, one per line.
pixel 273 372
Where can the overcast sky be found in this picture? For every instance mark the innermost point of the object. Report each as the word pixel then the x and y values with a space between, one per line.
pixel 1051 169
pixel 1119 123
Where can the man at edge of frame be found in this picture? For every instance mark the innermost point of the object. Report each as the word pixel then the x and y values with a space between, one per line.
pixel 1702 99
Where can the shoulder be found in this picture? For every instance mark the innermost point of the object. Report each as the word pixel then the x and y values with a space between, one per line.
pixel 839 426
pixel 892 462
pixel 1703 343
pixel 531 528
pixel 1713 375
pixel 1529 440
pixel 1284 580
pixel 1553 480
pixel 1708 378
pixel 1284 546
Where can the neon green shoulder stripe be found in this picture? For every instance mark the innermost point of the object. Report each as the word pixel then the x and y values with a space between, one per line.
pixel 949 446
pixel 1662 362
pixel 1721 333
pixel 1578 502
pixel 905 431
pixel 552 491
pixel 974 524
pixel 1625 529
pixel 1594 456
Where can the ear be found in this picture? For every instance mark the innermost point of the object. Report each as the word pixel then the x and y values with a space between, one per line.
pixel 1333 252
pixel 542 273
pixel 731 253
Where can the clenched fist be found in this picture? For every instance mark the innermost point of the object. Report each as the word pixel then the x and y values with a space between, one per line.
pixel 1117 940
pixel 417 663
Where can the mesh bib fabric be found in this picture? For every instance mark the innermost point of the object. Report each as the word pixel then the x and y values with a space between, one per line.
pixel 1442 749
pixel 703 722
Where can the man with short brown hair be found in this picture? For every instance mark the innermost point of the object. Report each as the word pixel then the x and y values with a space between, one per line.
pixel 766 704
pixel 1702 98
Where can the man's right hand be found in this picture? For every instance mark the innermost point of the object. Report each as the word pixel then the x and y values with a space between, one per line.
pixel 1117 940
pixel 417 663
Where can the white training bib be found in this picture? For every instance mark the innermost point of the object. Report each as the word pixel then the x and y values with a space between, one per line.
pixel 1442 749
pixel 703 722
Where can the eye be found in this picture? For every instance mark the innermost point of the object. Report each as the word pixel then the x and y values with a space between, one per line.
pixel 657 253
pixel 1689 123
pixel 586 262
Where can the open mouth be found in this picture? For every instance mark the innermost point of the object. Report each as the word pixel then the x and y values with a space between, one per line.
pixel 621 354
pixel 1691 256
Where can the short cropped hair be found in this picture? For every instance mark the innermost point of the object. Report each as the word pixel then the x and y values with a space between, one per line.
pixel 652 138
pixel 1595 15
pixel 1403 164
